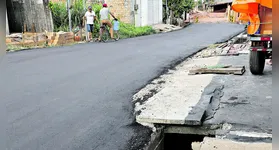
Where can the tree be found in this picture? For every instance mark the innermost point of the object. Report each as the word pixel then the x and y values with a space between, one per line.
pixel 200 4
pixel 209 2
pixel 178 7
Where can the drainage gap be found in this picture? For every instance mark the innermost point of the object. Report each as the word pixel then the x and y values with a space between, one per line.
pixel 181 141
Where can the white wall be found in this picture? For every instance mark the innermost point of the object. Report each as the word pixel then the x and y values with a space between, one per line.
pixel 7 25
pixel 149 12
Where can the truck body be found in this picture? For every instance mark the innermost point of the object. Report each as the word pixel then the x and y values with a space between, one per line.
pixel 261 41
pixel 259 15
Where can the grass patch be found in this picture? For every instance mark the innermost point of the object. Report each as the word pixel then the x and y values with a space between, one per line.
pixel 16 48
pixel 128 30
pixel 213 45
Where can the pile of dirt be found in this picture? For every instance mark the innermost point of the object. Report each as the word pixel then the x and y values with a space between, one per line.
pixel 26 39
pixel 208 17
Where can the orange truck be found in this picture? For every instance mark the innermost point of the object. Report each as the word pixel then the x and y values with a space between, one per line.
pixel 258 14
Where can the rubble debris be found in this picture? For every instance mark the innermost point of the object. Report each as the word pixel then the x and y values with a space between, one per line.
pixel 165 28
pixel 28 39
pixel 225 49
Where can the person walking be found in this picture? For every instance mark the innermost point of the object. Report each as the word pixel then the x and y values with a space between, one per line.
pixel 89 17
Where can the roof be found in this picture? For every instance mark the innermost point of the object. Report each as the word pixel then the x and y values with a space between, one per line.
pixel 219 2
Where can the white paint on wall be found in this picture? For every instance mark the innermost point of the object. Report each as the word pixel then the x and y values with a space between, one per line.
pixel 7 25
pixel 149 12
pixel 138 14
pixel 39 1
pixel 160 11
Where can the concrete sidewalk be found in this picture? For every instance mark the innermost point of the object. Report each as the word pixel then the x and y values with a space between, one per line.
pixel 178 94
pixel 222 144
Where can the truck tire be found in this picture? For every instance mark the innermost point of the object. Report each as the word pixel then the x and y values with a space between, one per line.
pixel 257 62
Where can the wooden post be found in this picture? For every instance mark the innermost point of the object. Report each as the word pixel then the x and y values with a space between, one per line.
pixel 69 15
pixel 23 33
pixel 232 16
pixel 34 34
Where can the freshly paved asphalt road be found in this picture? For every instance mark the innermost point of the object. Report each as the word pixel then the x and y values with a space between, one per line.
pixel 79 97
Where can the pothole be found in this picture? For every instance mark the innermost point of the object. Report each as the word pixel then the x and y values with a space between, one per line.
pixel 175 141
pixel 181 141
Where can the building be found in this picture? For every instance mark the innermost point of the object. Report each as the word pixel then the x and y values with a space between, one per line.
pixel 138 12
pixel 220 5
pixel 7 25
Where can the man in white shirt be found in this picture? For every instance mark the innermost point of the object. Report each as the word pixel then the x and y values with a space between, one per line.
pixel 104 17
pixel 90 17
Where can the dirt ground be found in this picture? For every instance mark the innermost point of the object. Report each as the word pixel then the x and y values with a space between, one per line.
pixel 207 17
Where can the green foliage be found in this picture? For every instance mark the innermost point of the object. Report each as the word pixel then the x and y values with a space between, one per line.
pixel 61 22
pixel 197 20
pixel 179 6
pixel 60 15
pixel 128 30
pixel 209 2
pixel 199 4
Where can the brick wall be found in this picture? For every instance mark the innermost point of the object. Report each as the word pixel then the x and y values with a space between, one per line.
pixel 122 9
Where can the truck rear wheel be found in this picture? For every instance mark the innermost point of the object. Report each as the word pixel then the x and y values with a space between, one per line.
pixel 257 62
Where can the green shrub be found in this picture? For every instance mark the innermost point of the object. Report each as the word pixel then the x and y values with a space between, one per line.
pixel 197 20
pixel 60 15
pixel 61 21
pixel 128 30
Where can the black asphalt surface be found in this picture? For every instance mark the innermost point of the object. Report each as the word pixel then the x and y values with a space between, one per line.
pixel 79 97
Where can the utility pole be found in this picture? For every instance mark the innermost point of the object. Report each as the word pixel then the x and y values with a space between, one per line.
pixel 86 33
pixel 69 14
pixel 167 11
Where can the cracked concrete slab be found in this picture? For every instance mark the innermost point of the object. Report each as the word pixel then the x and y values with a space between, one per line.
pixel 246 103
pixel 177 96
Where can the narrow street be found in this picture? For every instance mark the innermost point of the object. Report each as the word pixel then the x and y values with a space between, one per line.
pixel 80 97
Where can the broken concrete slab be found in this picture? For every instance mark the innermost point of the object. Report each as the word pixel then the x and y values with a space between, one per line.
pixel 195 116
pixel 224 144
pixel 178 96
